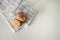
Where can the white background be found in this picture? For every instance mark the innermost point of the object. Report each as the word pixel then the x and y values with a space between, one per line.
pixel 45 26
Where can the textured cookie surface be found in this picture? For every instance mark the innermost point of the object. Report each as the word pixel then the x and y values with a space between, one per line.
pixel 21 16
pixel 16 23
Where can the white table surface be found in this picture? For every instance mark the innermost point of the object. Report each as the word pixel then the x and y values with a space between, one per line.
pixel 45 26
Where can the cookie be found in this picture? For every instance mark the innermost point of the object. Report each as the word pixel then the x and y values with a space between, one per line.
pixel 21 16
pixel 15 23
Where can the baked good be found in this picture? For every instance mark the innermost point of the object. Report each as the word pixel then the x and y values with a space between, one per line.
pixel 21 16
pixel 15 23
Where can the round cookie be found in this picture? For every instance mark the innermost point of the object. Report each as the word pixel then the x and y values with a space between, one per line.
pixel 21 17
pixel 15 23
